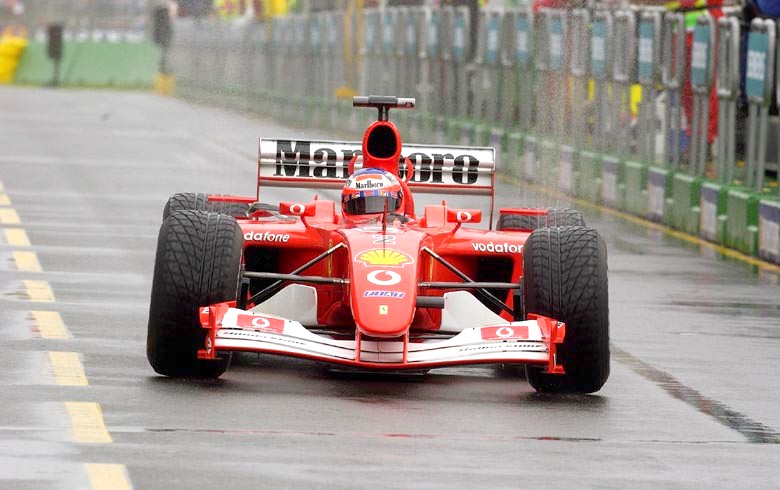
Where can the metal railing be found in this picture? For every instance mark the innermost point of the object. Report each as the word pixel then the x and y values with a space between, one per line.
pixel 565 76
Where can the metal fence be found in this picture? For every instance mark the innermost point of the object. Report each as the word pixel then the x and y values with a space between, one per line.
pixel 556 91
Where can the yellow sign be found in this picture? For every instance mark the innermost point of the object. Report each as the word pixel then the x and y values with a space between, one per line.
pixel 384 256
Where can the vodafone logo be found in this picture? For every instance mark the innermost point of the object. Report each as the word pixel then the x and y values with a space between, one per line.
pixel 383 277
pixel 297 209
pixel 463 216
pixel 517 332
pixel 497 248
pixel 261 323
pixel 505 332
pixel 268 236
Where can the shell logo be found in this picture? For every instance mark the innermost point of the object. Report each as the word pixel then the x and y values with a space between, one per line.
pixel 384 257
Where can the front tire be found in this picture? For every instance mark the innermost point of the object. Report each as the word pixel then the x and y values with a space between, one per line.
pixel 197 264
pixel 565 278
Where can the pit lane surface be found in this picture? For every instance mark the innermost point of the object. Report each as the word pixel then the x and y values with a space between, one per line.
pixel 691 402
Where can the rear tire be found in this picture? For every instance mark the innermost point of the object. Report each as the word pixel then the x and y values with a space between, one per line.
pixel 555 218
pixel 191 201
pixel 197 264
pixel 565 278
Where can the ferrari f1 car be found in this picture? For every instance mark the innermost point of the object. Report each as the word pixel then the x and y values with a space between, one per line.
pixel 368 282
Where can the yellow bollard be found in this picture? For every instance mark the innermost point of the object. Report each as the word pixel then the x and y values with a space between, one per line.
pixel 13 41
pixel 164 84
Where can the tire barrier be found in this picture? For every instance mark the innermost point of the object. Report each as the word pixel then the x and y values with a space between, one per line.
pixel 594 103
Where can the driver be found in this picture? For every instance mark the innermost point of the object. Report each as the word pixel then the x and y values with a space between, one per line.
pixel 370 192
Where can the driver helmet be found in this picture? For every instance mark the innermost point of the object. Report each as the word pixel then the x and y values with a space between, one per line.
pixel 371 191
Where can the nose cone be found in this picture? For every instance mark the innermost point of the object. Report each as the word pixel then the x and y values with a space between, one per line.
pixel 383 287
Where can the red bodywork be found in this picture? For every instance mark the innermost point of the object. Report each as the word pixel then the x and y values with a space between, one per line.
pixel 373 318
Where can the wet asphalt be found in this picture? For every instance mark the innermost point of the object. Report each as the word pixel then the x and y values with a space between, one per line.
pixel 692 401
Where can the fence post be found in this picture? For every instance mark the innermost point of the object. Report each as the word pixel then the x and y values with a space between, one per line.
pixel 556 64
pixel 600 66
pixel 486 91
pixel 429 62
pixel 758 88
pixel 508 103
pixel 702 77
pixel 672 73
pixel 408 85
pixel 523 58
pixel 368 73
pixel 541 107
pixel 648 69
pixel 728 91
pixel 460 53
pixel 390 25
pixel 578 67
pixel 623 69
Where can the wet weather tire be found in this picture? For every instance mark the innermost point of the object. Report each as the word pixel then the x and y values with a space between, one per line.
pixel 555 218
pixel 565 277
pixel 191 201
pixel 197 264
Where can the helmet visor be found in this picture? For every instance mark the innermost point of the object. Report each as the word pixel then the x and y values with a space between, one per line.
pixel 371 205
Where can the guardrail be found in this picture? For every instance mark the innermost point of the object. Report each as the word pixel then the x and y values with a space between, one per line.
pixel 556 92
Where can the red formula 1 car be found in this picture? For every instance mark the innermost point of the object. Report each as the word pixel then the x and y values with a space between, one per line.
pixel 369 283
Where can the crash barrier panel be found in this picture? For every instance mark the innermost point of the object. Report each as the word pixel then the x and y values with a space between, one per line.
pixel 544 135
pixel 90 60
pixel 92 64
pixel 769 229
pixel 713 201
pixel 742 220
pixel 587 184
pixel 635 187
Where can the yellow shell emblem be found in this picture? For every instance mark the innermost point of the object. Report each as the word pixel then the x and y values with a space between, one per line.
pixel 386 257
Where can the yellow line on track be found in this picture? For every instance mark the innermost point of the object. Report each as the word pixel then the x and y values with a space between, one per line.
pixel 4 199
pixel 67 369
pixel 733 254
pixel 38 291
pixel 16 237
pixel 87 424
pixel 50 325
pixel 8 216
pixel 108 476
pixel 27 262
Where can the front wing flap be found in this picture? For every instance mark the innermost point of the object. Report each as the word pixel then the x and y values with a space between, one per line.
pixel 532 341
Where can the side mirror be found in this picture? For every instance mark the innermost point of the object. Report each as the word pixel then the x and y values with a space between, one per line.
pixel 464 216
pixel 298 209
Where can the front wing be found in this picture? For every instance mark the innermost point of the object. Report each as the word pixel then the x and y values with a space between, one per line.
pixel 532 341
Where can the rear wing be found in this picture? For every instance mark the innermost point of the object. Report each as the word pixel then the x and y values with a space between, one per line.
pixel 444 170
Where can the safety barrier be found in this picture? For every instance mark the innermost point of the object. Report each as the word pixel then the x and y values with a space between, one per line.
pixel 556 92
pixel 93 58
